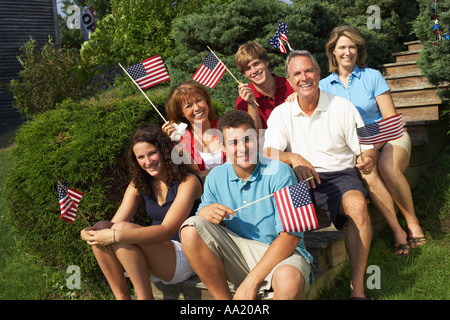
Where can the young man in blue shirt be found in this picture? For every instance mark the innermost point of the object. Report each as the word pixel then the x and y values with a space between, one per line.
pixel 247 247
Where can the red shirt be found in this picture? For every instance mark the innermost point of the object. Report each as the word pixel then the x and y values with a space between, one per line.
pixel 266 104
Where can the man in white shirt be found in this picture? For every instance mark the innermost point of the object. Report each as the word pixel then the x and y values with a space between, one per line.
pixel 316 135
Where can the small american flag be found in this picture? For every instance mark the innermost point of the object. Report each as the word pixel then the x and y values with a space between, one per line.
pixel 210 71
pixel 296 209
pixel 277 40
pixel 148 72
pixel 384 130
pixel 69 202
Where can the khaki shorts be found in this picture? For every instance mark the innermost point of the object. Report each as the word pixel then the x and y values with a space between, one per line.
pixel 404 142
pixel 241 255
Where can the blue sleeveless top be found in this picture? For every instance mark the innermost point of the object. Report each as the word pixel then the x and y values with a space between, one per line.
pixel 157 212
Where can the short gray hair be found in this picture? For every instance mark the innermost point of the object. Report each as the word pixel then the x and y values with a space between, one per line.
pixel 303 53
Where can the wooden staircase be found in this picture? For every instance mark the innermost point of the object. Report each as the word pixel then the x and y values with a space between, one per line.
pixel 415 98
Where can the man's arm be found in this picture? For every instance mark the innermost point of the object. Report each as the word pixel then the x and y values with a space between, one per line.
pixel 302 168
pixel 282 247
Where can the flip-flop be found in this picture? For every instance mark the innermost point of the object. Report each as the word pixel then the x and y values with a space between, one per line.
pixel 401 247
pixel 419 241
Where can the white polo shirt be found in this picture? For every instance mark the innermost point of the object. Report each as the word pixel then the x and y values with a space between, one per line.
pixel 327 139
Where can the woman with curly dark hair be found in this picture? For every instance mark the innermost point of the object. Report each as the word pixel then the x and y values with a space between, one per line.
pixel 153 253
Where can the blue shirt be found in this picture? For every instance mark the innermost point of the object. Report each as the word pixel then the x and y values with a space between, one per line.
pixel 363 86
pixel 259 221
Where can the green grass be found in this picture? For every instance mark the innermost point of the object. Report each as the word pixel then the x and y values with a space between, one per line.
pixel 24 277
pixel 424 274
pixel 20 278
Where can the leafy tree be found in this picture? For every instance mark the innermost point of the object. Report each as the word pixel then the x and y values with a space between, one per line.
pixel 135 30
pixel 49 76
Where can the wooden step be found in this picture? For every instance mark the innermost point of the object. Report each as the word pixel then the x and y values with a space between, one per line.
pixel 420 97
pixel 407 82
pixel 400 68
pixel 413 45
pixel 406 56
pixel 419 113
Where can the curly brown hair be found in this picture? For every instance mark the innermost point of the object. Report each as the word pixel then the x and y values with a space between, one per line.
pixel 154 135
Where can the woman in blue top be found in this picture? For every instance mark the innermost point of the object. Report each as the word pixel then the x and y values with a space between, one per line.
pixel 151 253
pixel 368 90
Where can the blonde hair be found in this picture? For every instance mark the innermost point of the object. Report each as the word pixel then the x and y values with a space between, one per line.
pixel 180 94
pixel 248 52
pixel 353 35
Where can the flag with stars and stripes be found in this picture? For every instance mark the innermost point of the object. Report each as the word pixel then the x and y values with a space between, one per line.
pixel 68 202
pixel 148 72
pixel 280 36
pixel 296 209
pixel 210 71
pixel 384 130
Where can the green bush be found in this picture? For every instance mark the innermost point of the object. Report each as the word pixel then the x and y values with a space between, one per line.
pixel 83 144
pixel 434 59
pixel 49 76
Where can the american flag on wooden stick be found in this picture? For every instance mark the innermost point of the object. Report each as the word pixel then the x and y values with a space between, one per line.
pixel 210 71
pixel 384 130
pixel 68 202
pixel 148 72
pixel 296 209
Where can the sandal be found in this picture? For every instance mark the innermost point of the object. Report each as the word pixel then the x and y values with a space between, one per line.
pixel 401 247
pixel 416 242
